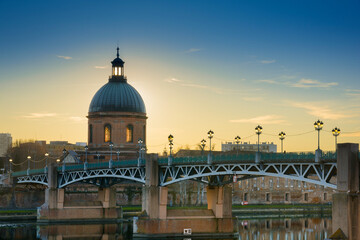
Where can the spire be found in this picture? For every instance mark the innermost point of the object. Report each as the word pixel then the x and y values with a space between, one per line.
pixel 117 51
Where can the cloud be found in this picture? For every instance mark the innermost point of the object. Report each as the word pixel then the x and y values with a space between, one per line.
pixel 302 83
pixel 353 92
pixel 310 83
pixel 172 80
pixel 270 81
pixel 267 61
pixel 267 119
pixel 77 119
pixel 40 115
pixel 191 50
pixel 65 57
pixel 320 111
pixel 100 67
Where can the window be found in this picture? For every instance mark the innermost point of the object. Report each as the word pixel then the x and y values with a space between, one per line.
pixel 325 196
pixel 90 133
pixel 267 197
pixel 287 197
pixel 268 225
pixel 287 223
pixel 107 133
pixel 245 197
pixel 129 133
pixel 306 197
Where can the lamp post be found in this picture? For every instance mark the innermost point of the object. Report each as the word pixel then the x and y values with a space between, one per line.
pixel 210 136
pixel 98 157
pixel 86 151
pixel 118 154
pixel 46 162
pixel 336 133
pixel 28 170
pixel 258 131
pixel 111 145
pixel 318 126
pixel 237 140
pixel 203 143
pixel 10 163
pixel 58 161
pixel 140 142
pixel 64 153
pixel 282 137
pixel 46 159
pixel 171 144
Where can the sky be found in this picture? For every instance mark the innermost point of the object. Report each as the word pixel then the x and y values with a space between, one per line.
pixel 199 65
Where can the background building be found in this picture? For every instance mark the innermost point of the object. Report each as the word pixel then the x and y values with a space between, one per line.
pixel 249 147
pixel 5 143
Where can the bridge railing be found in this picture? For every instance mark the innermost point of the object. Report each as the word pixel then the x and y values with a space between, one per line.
pixel 222 158
pixel 250 158
pixel 31 172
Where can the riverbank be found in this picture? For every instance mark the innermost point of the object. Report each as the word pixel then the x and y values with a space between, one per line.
pixel 240 211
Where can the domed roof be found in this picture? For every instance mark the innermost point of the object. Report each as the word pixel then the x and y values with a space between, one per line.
pixel 117 96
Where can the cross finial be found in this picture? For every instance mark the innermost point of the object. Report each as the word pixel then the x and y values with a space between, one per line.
pixel 117 51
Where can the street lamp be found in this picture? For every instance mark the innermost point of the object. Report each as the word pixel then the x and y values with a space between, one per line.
pixel 237 140
pixel 203 143
pixel 210 136
pixel 10 163
pixel 336 133
pixel 58 161
pixel 258 131
pixel 118 154
pixel 64 153
pixel 111 145
pixel 140 142
pixel 98 157
pixel 282 137
pixel 28 158
pixel 86 150
pixel 318 126
pixel 171 144
pixel 46 158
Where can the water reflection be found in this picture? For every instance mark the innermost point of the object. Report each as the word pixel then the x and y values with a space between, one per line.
pixel 285 229
pixel 255 229
pixel 85 231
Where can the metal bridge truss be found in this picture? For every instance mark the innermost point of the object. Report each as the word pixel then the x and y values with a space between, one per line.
pixel 316 173
pixel 39 178
pixel 102 177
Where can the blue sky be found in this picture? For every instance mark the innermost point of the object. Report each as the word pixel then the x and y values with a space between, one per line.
pixel 230 65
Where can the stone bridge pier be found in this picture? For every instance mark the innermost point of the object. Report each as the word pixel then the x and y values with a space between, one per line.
pixel 346 201
pixel 56 209
pixel 154 200
pixel 214 221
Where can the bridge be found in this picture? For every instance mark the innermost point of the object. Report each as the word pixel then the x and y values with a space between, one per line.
pixel 296 166
pixel 339 171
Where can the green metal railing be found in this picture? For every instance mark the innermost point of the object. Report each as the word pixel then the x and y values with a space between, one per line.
pixel 222 158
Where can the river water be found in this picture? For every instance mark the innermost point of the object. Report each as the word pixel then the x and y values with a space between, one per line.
pixel 254 229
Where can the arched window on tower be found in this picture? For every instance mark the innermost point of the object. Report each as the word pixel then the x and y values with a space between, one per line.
pixel 90 133
pixel 129 133
pixel 107 133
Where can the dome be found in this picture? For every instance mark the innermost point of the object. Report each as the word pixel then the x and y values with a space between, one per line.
pixel 117 96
